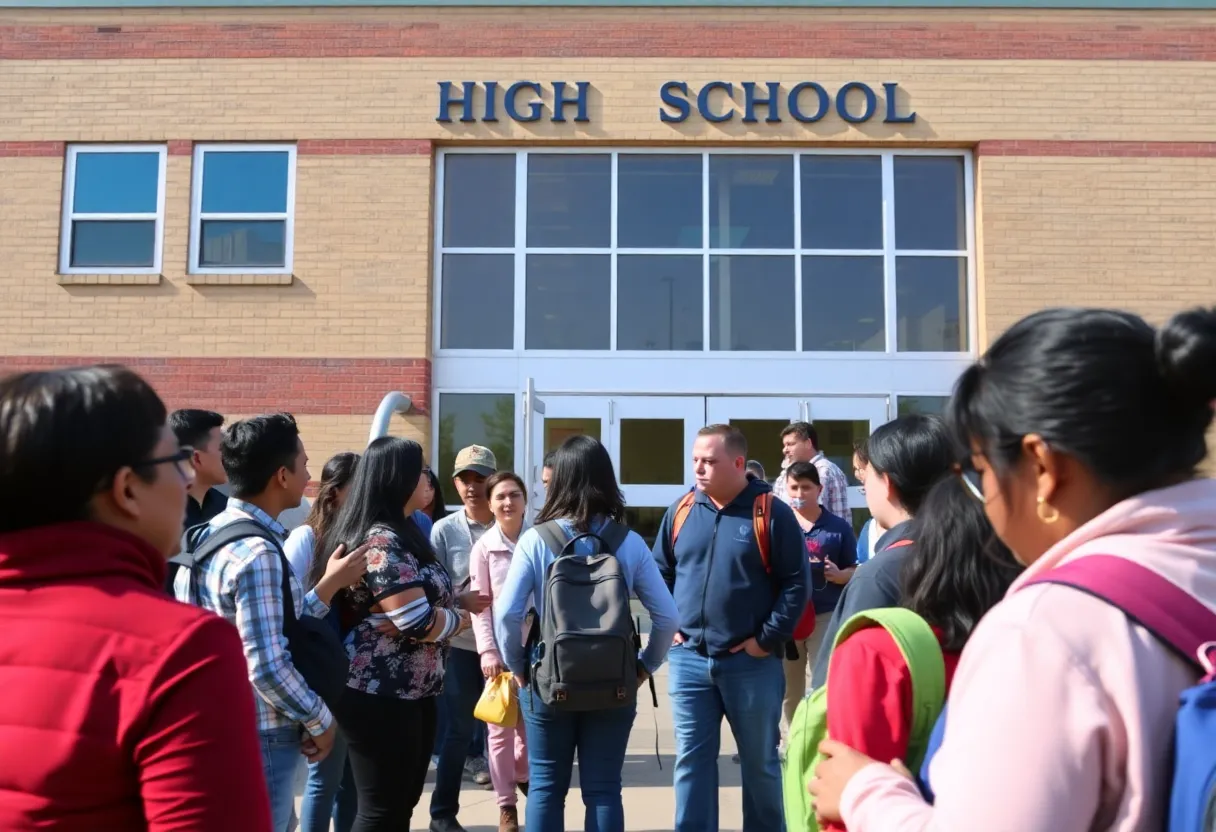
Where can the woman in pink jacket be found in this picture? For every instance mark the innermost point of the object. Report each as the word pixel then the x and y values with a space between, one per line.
pixel 1085 429
pixel 488 564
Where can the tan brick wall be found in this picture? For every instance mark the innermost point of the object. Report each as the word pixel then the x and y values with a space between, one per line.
pixel 361 272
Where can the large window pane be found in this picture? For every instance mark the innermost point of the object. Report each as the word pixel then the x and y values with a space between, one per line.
pixel 930 204
pixel 568 300
pixel 116 183
pixel 113 243
pixel 763 442
pixel 652 452
pixel 478 302
pixel 658 302
pixel 751 303
pixel 569 200
pixel 245 182
pixel 479 200
pixel 474 419
pixel 931 301
pixel 658 201
pixel 928 405
pixel 842 304
pixel 230 243
pixel 841 202
pixel 838 438
pixel 557 431
pixel 751 201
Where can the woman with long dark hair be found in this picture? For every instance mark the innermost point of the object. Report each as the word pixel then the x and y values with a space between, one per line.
pixel 583 495
pixel 330 791
pixel 388 711
pixel 1085 429
pixel 901 461
pixel 957 572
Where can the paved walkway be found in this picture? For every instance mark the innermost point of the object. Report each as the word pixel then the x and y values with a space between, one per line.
pixel 648 794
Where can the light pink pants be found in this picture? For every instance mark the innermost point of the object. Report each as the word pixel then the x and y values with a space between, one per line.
pixel 508 760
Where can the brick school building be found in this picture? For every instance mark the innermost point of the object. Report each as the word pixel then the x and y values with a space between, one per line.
pixel 539 219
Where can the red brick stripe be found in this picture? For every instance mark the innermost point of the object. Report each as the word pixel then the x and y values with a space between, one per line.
pixel 364 147
pixel 313 386
pixel 31 149
pixel 1096 149
pixel 612 37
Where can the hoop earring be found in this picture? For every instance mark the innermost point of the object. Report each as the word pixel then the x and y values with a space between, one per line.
pixel 1047 518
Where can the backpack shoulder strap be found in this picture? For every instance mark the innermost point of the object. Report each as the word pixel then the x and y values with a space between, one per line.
pixel 683 509
pixel 1170 613
pixel 923 654
pixel 762 520
pixel 613 534
pixel 553 535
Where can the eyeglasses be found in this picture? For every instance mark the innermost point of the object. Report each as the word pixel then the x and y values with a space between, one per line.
pixel 971 479
pixel 179 460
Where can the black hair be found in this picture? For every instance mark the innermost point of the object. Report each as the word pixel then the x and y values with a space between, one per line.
pixel 732 438
pixel 914 452
pixel 804 431
pixel 584 485
pixel 193 427
pixel 755 470
pixel 384 481
pixel 65 434
pixel 255 449
pixel 335 476
pixel 803 471
pixel 959 569
pixel 1129 403
pixel 439 506
pixel 549 457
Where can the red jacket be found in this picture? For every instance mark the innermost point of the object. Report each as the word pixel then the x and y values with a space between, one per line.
pixel 120 709
pixel 870 708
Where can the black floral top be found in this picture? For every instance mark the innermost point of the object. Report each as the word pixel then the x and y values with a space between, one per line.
pixel 395 665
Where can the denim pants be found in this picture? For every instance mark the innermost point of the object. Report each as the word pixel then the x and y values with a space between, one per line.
pixel 478 746
pixel 748 692
pixel 330 792
pixel 281 759
pixel 600 739
pixel 462 687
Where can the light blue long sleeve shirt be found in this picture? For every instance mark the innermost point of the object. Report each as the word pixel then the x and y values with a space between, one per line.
pixel 525 583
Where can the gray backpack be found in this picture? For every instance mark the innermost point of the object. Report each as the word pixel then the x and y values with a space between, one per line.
pixel 587 645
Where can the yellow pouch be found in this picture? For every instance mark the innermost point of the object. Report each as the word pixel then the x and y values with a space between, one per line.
pixel 498 704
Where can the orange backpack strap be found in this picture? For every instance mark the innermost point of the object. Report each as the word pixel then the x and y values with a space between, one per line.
pixel 762 518
pixel 683 509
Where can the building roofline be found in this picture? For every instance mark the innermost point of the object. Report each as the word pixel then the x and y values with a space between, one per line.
pixel 1144 5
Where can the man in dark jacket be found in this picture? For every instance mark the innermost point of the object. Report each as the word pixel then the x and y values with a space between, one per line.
pixel 735 619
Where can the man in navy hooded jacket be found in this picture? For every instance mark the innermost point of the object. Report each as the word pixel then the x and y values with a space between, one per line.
pixel 735 619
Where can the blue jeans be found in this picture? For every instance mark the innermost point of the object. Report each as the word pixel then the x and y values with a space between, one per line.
pixel 748 692
pixel 281 759
pixel 330 792
pixel 600 738
pixel 462 687
pixel 477 746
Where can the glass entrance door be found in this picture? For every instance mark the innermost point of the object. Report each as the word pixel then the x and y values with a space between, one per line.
pixel 840 422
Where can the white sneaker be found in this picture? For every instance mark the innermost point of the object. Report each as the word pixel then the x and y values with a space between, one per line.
pixel 476 769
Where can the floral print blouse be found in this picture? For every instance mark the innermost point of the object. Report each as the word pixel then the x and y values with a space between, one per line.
pixel 395 665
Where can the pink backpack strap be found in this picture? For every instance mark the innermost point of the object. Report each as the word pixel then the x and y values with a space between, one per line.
pixel 1170 613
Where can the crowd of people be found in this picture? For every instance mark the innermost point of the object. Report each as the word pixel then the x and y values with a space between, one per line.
pixel 172 656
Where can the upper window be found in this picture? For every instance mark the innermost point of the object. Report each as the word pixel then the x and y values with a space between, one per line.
pixel 243 208
pixel 113 209
pixel 751 251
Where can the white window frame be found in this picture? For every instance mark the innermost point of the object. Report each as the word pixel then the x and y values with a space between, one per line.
pixel 520 250
pixel 70 217
pixel 197 216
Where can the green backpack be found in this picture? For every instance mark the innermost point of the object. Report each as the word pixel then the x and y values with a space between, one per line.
pixel 809 726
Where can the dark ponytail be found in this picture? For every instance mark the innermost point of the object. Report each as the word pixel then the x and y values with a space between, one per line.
pixel 1130 403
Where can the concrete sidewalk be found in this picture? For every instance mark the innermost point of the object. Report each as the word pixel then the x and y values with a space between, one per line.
pixel 648 793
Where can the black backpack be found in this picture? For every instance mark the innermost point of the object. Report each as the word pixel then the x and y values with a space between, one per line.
pixel 316 651
pixel 587 643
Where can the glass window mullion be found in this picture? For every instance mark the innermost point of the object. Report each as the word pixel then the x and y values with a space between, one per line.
pixel 888 241
pixel 612 244
pixel 797 252
pixel 705 298
pixel 521 261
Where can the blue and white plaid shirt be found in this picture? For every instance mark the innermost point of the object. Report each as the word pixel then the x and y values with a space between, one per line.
pixel 243 583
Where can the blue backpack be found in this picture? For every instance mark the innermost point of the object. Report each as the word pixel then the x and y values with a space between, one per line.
pixel 1188 628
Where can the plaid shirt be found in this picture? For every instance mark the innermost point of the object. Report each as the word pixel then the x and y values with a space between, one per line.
pixel 243 583
pixel 835 494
